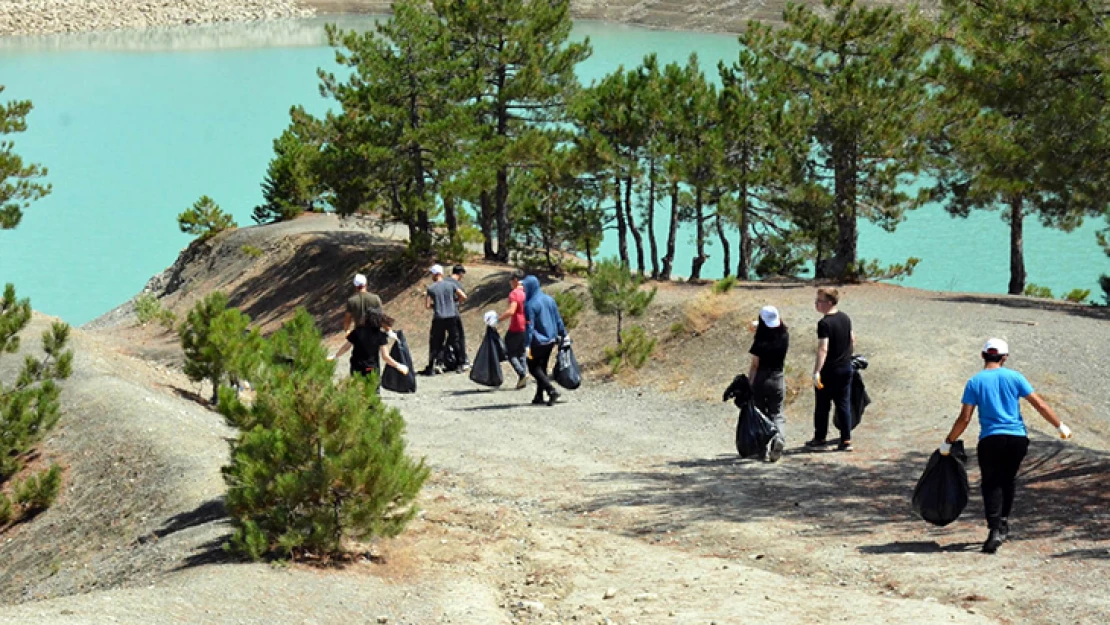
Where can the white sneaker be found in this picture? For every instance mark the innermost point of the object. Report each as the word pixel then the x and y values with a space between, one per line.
pixel 774 450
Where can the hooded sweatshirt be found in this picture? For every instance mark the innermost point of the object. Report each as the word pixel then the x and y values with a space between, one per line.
pixel 544 323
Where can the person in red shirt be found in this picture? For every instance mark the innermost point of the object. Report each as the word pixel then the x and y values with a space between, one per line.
pixel 514 338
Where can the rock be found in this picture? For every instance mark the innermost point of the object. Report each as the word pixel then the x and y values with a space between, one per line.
pixel 646 596
pixel 610 593
pixel 534 607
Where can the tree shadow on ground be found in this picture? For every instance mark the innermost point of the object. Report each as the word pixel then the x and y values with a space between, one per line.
pixel 1026 303
pixel 1059 492
pixel 929 546
pixel 319 278
pixel 492 290
pixel 207 512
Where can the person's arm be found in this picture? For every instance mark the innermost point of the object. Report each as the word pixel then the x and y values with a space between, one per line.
pixel 962 421
pixel 819 361
pixel 460 295
pixel 508 313
pixel 348 321
pixel 753 368
pixel 853 341
pixel 1049 415
pixel 342 350
pixel 427 302
pixel 387 359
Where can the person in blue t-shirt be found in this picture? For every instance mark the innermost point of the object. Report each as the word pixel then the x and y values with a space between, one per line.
pixel 1003 441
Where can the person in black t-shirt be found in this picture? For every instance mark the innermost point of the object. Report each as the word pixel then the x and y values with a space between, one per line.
pixel 832 370
pixel 370 341
pixel 766 374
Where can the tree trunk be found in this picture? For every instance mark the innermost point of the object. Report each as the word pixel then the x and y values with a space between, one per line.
pixel 1017 245
pixel 504 226
pixel 622 228
pixel 651 219
pixel 636 237
pixel 699 236
pixel 450 217
pixel 485 221
pixel 744 263
pixel 668 258
pixel 724 246
pixel 620 318
pixel 843 263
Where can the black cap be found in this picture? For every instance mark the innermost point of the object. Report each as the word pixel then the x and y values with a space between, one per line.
pixel 458 269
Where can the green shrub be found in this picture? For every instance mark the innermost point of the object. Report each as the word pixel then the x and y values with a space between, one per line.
pixel 318 462
pixel 724 285
pixel 570 306
pixel 205 219
pixel 218 341
pixel 38 491
pixel 1035 290
pixel 251 250
pixel 6 512
pixel 872 270
pixel 634 349
pixel 678 328
pixel 148 309
pixel 615 291
pixel 1077 295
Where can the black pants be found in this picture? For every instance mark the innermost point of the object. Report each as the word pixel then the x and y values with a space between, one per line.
pixel 445 331
pixel 1000 458
pixel 460 341
pixel 837 390
pixel 514 345
pixel 541 354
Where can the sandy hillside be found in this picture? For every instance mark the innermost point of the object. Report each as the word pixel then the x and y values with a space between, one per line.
pixel 624 504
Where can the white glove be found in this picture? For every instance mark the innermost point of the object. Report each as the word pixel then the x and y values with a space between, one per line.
pixel 491 318
pixel 945 448
pixel 1065 431
pixel 817 381
pixel 331 356
pixel 392 335
pixel 403 369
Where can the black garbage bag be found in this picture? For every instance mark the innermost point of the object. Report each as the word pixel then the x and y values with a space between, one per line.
pixel 753 429
pixel 566 373
pixel 486 369
pixel 392 379
pixel 860 398
pixel 941 493
pixel 502 350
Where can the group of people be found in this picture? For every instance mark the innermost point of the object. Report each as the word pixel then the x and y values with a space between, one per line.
pixel 535 330
pixel 995 392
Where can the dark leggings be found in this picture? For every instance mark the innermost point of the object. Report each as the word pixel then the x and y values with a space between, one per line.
pixel 541 354
pixel 1000 458
pixel 837 390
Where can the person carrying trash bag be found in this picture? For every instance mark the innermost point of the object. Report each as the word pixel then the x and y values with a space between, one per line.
pixel 768 351
pixel 369 341
pixel 515 335
pixel 486 369
pixel 832 369
pixel 754 431
pixel 397 380
pixel 942 492
pixel 1003 440
pixel 544 330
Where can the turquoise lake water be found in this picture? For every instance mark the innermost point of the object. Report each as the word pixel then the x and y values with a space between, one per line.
pixel 135 126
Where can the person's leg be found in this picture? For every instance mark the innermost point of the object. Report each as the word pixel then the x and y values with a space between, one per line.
pixel 1016 448
pixel 435 342
pixel 453 325
pixel 842 397
pixel 460 342
pixel 538 367
pixel 992 464
pixel 822 403
pixel 514 345
pixel 767 393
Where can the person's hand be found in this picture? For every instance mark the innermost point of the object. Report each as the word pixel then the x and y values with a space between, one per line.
pixel 945 448
pixel 817 381
pixel 1065 431
pixel 331 356
pixel 528 353
pixel 403 369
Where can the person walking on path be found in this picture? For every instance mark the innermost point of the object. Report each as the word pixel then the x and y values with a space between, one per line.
pixel 360 305
pixel 515 336
pixel 544 330
pixel 832 370
pixel 442 299
pixel 1003 440
pixel 457 273
pixel 370 341
pixel 772 340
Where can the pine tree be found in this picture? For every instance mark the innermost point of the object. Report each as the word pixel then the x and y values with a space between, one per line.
pixel 854 76
pixel 700 151
pixel 18 186
pixel 290 187
pixel 615 291
pixel 218 341
pixel 319 463
pixel 205 219
pixel 1024 95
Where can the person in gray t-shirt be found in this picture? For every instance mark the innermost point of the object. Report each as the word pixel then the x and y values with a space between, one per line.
pixel 441 300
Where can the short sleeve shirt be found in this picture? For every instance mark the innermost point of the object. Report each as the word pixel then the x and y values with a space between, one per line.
pixel 837 328
pixel 997 393
pixel 443 299
pixel 771 351
pixel 361 304
pixel 367 341
pixel 517 322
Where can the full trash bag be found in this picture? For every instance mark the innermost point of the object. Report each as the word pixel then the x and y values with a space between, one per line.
pixel 860 398
pixel 941 493
pixel 393 379
pixel 486 369
pixel 566 373
pixel 753 429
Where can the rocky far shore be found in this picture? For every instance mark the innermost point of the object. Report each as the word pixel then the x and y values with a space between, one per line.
pixel 40 17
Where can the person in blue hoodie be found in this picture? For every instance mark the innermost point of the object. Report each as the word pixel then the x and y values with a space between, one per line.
pixel 543 332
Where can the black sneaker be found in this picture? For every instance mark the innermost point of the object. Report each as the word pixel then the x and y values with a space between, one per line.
pixel 845 446
pixel 993 542
pixel 552 397
pixel 538 400
pixel 814 443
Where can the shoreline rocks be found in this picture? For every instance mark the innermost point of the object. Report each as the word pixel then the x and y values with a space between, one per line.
pixel 41 17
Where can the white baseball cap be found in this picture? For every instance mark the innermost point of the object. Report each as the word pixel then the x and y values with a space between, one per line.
pixel 436 269
pixel 360 280
pixel 770 316
pixel 996 346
